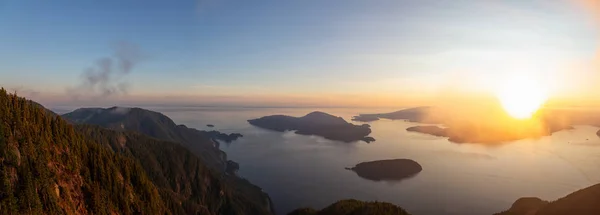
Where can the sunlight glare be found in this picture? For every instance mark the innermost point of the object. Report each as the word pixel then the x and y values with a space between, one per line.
pixel 521 96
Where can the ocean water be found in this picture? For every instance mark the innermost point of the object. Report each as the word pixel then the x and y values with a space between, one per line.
pixel 308 171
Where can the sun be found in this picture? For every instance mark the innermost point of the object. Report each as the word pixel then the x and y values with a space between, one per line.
pixel 521 96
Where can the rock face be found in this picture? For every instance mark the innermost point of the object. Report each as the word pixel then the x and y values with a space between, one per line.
pixel 387 170
pixel 353 207
pixel 316 123
pixel 583 202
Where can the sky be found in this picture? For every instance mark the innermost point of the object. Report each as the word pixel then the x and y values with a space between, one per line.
pixel 291 53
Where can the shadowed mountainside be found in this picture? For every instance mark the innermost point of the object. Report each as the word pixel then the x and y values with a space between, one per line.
pixel 157 125
pixel 185 183
pixel 316 123
pixel 582 202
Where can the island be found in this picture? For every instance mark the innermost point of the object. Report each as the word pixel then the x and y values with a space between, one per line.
pixel 210 125
pixel 387 170
pixel 417 114
pixel 318 124
pixel 581 202
pixel 488 134
pixel 429 129
pixel 365 118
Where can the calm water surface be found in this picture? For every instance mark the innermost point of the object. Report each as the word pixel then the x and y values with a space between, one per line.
pixel 300 171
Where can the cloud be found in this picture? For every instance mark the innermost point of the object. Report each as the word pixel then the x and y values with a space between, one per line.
pixel 107 77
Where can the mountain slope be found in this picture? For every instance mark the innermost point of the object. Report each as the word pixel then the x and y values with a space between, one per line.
pixel 48 167
pixel 132 121
pixel 157 125
pixel 582 202
pixel 186 185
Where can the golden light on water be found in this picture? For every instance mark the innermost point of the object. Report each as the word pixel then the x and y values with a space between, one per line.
pixel 521 96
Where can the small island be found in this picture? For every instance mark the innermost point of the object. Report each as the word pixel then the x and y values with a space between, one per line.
pixel 387 170
pixel 316 123
pixel 228 138
pixel 210 125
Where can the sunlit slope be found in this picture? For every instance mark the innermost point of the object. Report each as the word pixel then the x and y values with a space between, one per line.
pixel 46 167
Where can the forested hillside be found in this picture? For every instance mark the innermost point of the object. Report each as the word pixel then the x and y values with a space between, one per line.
pixel 48 167
pixel 171 149
pixel 186 185
pixel 157 125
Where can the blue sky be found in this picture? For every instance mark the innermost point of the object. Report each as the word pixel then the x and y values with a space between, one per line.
pixel 210 51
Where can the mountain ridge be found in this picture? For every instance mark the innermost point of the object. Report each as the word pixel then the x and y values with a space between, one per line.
pixel 157 125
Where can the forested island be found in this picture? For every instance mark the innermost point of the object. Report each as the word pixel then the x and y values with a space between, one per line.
pixel 417 114
pixel 316 123
pixel 486 135
pixel 387 170
pixel 581 202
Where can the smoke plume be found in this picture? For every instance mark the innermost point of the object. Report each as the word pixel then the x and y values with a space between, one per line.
pixel 107 77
